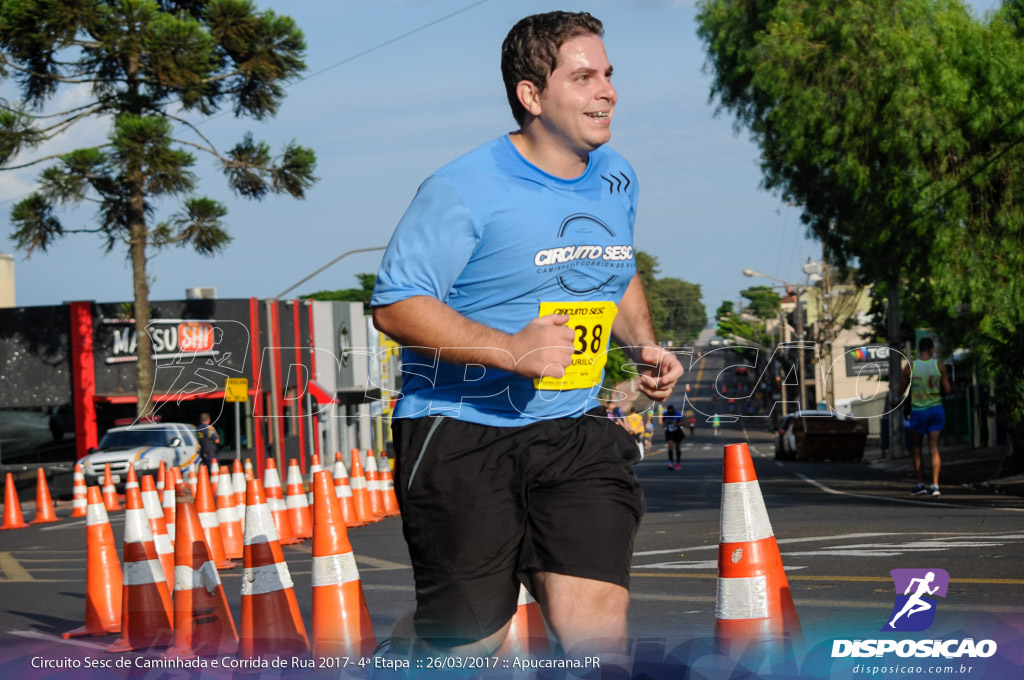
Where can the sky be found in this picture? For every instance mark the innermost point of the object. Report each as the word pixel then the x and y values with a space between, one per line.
pixel 395 89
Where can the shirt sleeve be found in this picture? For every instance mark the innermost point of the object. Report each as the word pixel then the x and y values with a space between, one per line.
pixel 430 247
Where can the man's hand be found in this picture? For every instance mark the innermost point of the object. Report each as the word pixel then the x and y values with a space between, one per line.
pixel 659 370
pixel 543 347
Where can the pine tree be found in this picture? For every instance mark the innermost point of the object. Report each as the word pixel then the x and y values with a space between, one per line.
pixel 151 68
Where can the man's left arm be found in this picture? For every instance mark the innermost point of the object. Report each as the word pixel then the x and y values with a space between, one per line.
pixel 633 330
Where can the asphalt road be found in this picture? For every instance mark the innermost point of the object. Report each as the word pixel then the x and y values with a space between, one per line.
pixel 841 529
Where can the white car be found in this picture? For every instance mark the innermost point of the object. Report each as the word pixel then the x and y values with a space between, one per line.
pixel 145 445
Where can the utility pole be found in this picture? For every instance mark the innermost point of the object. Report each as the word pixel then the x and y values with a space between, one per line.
pixel 800 289
pixel 895 371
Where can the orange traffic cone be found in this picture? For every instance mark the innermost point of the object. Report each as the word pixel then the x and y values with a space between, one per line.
pixel 360 494
pixel 110 499
pixel 79 494
pixel 202 620
pixel 170 482
pixel 13 518
pixel 374 486
pixel 344 493
pixel 208 520
pixel 341 621
pixel 249 475
pixel 214 473
pixel 44 504
pixel 161 477
pixel 297 502
pixel 162 542
pixel 131 481
pixel 314 467
pixel 388 488
pixel 228 516
pixel 145 601
pixel 753 602
pixel 192 479
pixel 278 508
pixel 272 625
pixel 238 487
pixel 527 636
pixel 103 578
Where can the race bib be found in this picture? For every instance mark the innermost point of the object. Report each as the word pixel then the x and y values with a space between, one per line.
pixel 592 324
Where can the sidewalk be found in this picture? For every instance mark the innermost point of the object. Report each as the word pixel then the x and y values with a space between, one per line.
pixel 961 466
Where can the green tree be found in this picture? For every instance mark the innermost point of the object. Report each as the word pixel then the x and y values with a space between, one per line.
pixel 898 127
pixel 146 66
pixel 764 302
pixel 361 294
pixel 681 309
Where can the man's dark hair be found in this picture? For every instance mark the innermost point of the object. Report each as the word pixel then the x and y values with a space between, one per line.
pixel 530 50
pixel 925 345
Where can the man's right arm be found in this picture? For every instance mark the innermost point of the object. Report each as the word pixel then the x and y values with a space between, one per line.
pixel 542 347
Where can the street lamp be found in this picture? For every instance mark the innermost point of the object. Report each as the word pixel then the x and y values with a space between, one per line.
pixel 329 264
pixel 799 326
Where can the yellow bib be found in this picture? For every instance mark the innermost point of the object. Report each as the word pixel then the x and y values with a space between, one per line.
pixel 592 324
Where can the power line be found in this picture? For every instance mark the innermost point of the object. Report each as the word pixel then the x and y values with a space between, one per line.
pixel 344 61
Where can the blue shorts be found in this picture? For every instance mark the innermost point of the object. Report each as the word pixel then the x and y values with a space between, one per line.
pixel 931 419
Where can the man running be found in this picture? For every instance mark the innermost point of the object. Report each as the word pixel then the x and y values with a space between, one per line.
pixel 927 417
pixel 916 604
pixel 508 273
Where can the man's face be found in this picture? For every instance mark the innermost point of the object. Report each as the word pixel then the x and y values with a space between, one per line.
pixel 578 101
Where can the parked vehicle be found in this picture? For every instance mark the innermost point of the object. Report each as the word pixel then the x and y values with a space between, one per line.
pixel 145 445
pixel 820 435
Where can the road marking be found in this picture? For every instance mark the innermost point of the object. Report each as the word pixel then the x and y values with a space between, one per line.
pixel 376 564
pixel 889 499
pixel 706 447
pixel 14 572
pixel 842 579
pixel 832 604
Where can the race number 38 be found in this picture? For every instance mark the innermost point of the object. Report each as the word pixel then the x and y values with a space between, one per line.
pixel 591 322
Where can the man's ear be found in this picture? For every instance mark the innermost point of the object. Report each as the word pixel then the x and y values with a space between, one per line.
pixel 529 96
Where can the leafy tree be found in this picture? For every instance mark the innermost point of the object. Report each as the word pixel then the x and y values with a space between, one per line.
pixel 145 66
pixel 681 311
pixel 361 294
pixel 764 302
pixel 898 127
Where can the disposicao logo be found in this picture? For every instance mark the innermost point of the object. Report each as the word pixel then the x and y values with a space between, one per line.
pixel 914 611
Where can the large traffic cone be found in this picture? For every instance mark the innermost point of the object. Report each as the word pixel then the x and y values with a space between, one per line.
pixel 278 508
pixel 79 494
pixel 44 504
pixel 228 516
pixel 162 541
pixel 753 602
pixel 272 625
pixel 146 617
pixel 373 485
pixel 527 636
pixel 110 499
pixel 13 518
pixel 341 621
pixel 297 502
pixel 208 520
pixel 202 620
pixel 314 467
pixel 344 493
pixel 103 578
pixel 388 487
pixel 360 494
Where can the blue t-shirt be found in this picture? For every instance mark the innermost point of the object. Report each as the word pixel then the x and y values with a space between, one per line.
pixel 492 236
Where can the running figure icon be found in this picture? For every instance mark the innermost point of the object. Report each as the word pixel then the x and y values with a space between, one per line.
pixel 916 604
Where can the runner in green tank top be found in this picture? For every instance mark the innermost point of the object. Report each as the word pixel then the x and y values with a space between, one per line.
pixel 927 417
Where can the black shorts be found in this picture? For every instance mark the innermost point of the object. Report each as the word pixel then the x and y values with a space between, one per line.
pixel 674 435
pixel 484 507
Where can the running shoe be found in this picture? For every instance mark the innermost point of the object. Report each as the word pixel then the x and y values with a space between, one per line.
pixel 935 490
pixel 919 489
pixel 679 466
pixel 671 466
